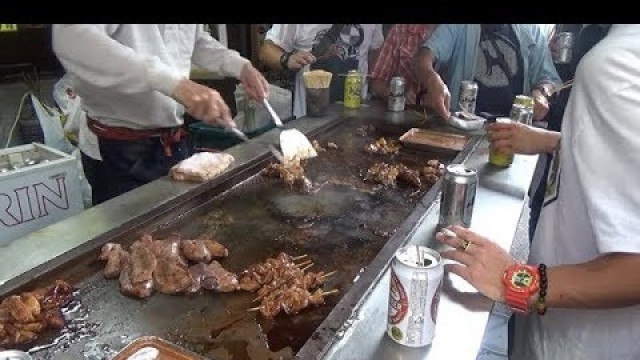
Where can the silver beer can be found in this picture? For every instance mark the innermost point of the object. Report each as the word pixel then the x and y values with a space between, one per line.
pixel 521 114
pixel 468 96
pixel 396 86
pixel 458 195
pixel 565 48
pixel 414 295
pixel 396 103
pixel 14 355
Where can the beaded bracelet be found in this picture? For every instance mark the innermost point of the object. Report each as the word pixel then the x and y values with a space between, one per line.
pixel 541 304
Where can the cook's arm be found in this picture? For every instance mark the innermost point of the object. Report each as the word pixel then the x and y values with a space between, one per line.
pixel 89 53
pixel 211 55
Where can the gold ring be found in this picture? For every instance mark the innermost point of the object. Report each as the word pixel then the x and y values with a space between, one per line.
pixel 465 245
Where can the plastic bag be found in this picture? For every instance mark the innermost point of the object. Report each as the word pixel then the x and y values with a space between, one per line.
pixel 51 120
pixel 254 116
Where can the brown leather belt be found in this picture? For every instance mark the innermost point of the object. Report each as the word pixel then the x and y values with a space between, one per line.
pixel 168 136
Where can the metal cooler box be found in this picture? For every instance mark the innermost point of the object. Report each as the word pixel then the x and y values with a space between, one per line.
pixel 38 186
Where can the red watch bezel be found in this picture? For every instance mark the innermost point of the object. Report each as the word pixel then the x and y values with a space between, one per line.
pixel 518 297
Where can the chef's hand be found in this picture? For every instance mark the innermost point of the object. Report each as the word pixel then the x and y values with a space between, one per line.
pixel 300 59
pixel 203 103
pixel 482 264
pixel 438 97
pixel 540 105
pixel 255 85
pixel 515 138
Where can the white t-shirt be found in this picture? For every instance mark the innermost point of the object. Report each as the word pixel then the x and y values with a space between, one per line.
pixel 592 205
pixel 302 37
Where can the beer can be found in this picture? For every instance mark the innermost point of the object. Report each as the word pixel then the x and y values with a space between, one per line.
pixel 396 86
pixel 528 103
pixel 468 96
pixel 414 295
pixel 352 89
pixel 565 48
pixel 519 113
pixel 14 355
pixel 498 158
pixel 396 103
pixel 458 195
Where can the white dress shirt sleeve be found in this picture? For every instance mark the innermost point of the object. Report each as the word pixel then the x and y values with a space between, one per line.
pixel 378 37
pixel 283 35
pixel 89 53
pixel 211 55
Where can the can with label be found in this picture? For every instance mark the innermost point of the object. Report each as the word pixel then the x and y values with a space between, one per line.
pixel 528 103
pixel 468 96
pixel 565 48
pixel 498 158
pixel 396 100
pixel 458 195
pixel 414 295
pixel 352 89
pixel 519 113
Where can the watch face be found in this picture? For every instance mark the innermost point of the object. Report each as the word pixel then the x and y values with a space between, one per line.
pixel 522 278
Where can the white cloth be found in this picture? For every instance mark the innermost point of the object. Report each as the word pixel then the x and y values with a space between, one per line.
pixel 126 73
pixel 301 37
pixel 592 204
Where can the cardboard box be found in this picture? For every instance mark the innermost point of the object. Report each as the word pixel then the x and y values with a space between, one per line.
pixel 38 187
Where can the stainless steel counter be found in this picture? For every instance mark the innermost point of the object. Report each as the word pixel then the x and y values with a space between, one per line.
pixel 463 312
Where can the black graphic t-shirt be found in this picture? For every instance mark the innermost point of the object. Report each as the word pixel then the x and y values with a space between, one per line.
pixel 499 69
pixel 337 50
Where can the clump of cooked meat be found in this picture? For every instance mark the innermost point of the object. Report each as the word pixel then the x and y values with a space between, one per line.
pixel 163 266
pixel 316 145
pixel 390 175
pixel 291 173
pixel 24 316
pixel 383 146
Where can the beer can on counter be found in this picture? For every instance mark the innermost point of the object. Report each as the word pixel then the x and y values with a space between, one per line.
pixel 468 96
pixel 565 48
pixel 14 355
pixel 497 158
pixel 414 295
pixel 519 113
pixel 352 89
pixel 396 100
pixel 458 195
pixel 528 103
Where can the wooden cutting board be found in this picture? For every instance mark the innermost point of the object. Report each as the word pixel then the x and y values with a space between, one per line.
pixel 431 140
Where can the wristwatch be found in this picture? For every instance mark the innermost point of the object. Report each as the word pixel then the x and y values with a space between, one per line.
pixel 520 281
pixel 284 59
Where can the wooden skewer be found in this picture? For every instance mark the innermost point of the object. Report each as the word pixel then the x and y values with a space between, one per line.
pixel 328 274
pixel 330 292
pixel 254 308
pixel 566 85
pixel 307 267
pixel 296 258
pixel 304 263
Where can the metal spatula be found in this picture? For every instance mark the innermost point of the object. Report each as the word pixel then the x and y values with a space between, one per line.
pixel 294 144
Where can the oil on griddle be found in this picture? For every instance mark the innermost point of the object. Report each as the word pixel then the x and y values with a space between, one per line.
pixel 340 224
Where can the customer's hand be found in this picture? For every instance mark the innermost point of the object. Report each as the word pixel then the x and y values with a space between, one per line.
pixel 203 103
pixel 255 85
pixel 514 138
pixel 438 97
pixel 540 105
pixel 300 59
pixel 481 262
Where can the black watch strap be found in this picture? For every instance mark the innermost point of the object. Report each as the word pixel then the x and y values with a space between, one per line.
pixel 284 59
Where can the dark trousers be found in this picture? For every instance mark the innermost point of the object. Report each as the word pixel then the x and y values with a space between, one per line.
pixel 92 172
pixel 129 164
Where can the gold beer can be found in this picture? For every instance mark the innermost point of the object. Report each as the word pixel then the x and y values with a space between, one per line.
pixel 352 89
pixel 498 158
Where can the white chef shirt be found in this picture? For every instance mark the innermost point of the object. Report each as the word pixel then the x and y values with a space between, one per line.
pixel 126 73
pixel 592 205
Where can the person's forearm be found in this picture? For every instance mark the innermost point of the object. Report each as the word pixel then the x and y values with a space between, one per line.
pixel 270 55
pixel 547 140
pixel 423 67
pixel 610 281
pixel 89 54
pixel 211 55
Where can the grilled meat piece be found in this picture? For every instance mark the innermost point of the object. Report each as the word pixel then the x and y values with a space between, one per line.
pixel 217 250
pixel 140 289
pixel 195 250
pixel 168 248
pixel 409 176
pixel 113 253
pixel 383 173
pixel 316 145
pixel 333 146
pixel 142 262
pixel 248 282
pixel 170 277
pixel 291 173
pixel 383 146
pixel 19 311
pixel 219 279
pixel 197 273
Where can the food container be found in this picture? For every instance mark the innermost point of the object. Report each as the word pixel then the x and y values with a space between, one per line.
pixel 38 186
pixel 165 349
pixel 414 295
